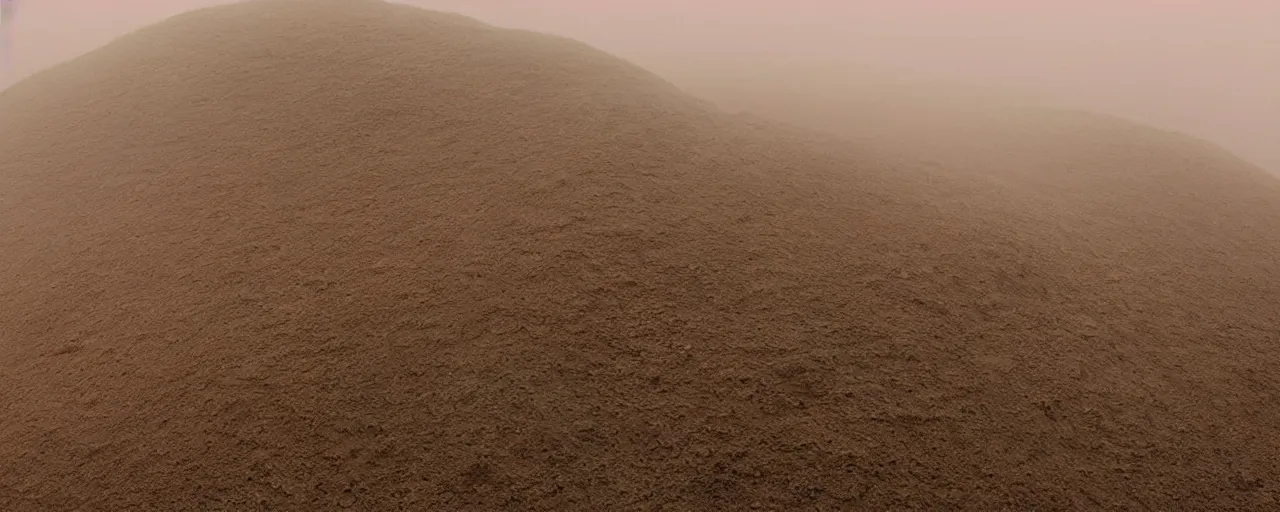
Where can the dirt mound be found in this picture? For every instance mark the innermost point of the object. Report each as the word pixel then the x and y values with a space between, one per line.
pixel 1134 196
pixel 310 255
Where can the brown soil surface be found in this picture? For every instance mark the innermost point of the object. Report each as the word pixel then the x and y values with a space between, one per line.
pixel 285 256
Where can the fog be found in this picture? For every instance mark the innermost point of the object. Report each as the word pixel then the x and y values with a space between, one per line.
pixel 1209 69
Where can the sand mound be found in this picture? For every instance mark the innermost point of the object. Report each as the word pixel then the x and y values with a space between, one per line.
pixel 304 256
pixel 1134 196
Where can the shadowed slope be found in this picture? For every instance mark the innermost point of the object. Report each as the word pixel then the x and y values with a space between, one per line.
pixel 304 255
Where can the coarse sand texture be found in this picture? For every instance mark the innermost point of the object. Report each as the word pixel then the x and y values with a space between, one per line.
pixel 288 255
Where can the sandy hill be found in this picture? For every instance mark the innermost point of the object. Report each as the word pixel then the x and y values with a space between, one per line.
pixel 312 255
pixel 1134 195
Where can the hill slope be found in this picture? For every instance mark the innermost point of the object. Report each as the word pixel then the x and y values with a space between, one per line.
pixel 351 254
pixel 1137 196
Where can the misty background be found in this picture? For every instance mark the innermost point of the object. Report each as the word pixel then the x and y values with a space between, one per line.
pixel 1208 69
